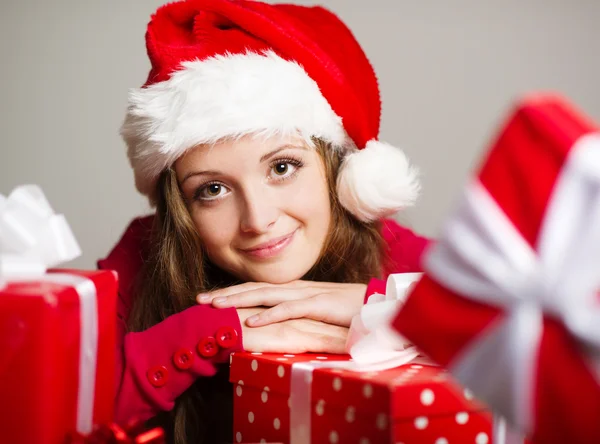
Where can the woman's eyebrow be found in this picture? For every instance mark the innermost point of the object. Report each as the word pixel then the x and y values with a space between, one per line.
pixel 199 173
pixel 270 154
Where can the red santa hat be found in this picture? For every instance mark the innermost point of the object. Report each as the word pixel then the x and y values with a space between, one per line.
pixel 227 68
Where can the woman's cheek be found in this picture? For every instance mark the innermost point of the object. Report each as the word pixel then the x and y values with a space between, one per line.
pixel 215 226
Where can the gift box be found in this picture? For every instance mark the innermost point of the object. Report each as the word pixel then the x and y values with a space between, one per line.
pixel 509 300
pixel 57 342
pixel 57 328
pixel 323 399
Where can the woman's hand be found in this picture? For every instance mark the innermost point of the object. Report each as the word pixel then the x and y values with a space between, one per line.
pixel 331 303
pixel 293 336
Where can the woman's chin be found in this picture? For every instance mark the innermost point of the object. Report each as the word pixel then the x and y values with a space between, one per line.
pixel 277 275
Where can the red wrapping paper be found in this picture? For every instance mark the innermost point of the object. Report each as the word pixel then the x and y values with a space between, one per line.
pixel 520 172
pixel 40 355
pixel 414 403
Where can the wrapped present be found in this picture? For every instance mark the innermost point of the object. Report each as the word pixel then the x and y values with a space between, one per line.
pixel 324 399
pixel 57 328
pixel 510 297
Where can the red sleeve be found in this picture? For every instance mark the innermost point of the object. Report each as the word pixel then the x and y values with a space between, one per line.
pixel 403 253
pixel 155 366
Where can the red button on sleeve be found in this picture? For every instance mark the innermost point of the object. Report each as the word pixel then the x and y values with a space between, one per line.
pixel 158 375
pixel 183 359
pixel 227 337
pixel 207 347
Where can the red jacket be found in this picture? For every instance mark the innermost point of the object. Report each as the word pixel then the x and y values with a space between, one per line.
pixel 157 365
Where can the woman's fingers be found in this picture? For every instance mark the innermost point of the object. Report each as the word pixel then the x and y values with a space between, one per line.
pixel 207 298
pixel 285 338
pixel 263 296
pixel 311 307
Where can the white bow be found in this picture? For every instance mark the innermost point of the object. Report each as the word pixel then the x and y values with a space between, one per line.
pixel 372 343
pixel 32 237
pixel 483 257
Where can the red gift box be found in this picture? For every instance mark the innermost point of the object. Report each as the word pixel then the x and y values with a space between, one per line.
pixel 509 301
pixel 57 345
pixel 413 403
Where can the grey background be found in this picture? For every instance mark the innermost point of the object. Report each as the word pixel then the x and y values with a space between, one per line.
pixel 449 71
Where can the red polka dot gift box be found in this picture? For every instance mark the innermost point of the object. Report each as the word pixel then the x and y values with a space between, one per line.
pixel 314 398
pixel 509 299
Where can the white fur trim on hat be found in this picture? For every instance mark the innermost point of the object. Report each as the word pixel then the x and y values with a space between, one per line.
pixel 377 181
pixel 220 97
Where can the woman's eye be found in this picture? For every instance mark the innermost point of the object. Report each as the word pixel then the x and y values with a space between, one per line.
pixel 281 168
pixel 211 191
pixel 284 169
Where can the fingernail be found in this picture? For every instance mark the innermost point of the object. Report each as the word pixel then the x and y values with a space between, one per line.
pixel 219 300
pixel 203 298
pixel 252 319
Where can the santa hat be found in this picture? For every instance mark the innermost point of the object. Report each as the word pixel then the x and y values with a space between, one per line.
pixel 226 68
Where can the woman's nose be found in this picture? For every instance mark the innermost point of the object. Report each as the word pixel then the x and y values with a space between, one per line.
pixel 260 212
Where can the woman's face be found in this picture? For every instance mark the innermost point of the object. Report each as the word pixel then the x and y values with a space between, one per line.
pixel 261 206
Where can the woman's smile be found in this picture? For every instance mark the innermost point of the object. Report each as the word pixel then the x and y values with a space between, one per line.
pixel 270 249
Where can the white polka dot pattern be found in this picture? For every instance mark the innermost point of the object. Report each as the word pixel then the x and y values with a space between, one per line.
pixel 421 422
pixel 333 437
pixel 337 384
pixel 320 407
pixel 338 422
pixel 382 421
pixel 350 414
pixel 462 418
pixel 482 438
pixel 427 397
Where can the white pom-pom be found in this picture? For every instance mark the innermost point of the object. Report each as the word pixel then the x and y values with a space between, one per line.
pixel 377 182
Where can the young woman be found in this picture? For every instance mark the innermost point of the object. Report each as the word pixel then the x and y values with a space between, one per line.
pixel 255 137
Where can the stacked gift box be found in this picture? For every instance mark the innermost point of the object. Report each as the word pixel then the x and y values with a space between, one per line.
pixel 57 334
pixel 324 399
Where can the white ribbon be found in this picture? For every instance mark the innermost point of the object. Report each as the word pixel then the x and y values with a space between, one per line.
pixel 373 345
pixel 88 344
pixel 483 257
pixel 371 341
pixel 300 396
pixel 32 237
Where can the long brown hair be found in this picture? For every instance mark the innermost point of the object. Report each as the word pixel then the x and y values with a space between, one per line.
pixel 177 269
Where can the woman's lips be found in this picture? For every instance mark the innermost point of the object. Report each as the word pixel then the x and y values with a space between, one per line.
pixel 271 248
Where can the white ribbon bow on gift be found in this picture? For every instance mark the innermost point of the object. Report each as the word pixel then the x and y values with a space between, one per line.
pixel 372 343
pixel 483 257
pixel 32 237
